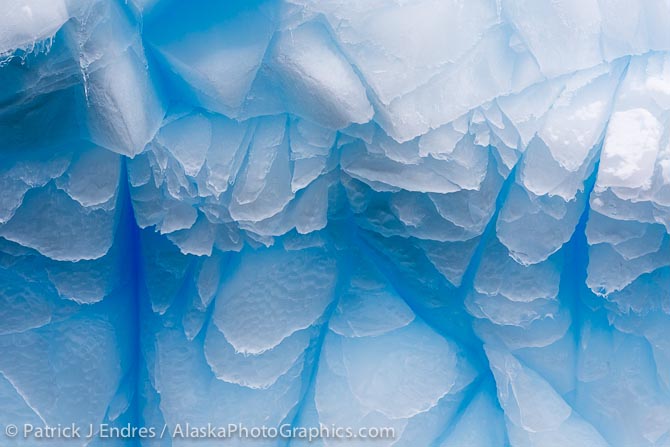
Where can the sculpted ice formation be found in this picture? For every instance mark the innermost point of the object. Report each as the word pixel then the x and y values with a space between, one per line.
pixel 445 218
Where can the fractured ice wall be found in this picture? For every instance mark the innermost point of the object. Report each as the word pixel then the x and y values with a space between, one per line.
pixel 446 217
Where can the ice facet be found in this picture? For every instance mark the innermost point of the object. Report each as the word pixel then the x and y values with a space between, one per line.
pixel 292 290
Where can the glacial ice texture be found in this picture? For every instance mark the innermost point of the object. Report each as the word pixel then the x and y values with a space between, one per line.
pixel 446 217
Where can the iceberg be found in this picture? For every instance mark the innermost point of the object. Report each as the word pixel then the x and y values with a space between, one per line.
pixel 417 223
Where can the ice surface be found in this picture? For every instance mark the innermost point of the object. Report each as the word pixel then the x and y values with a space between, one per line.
pixel 291 291
pixel 121 122
pixel 24 25
pixel 214 52
pixel 316 81
pixel 73 232
pixel 448 218
pixel 621 167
